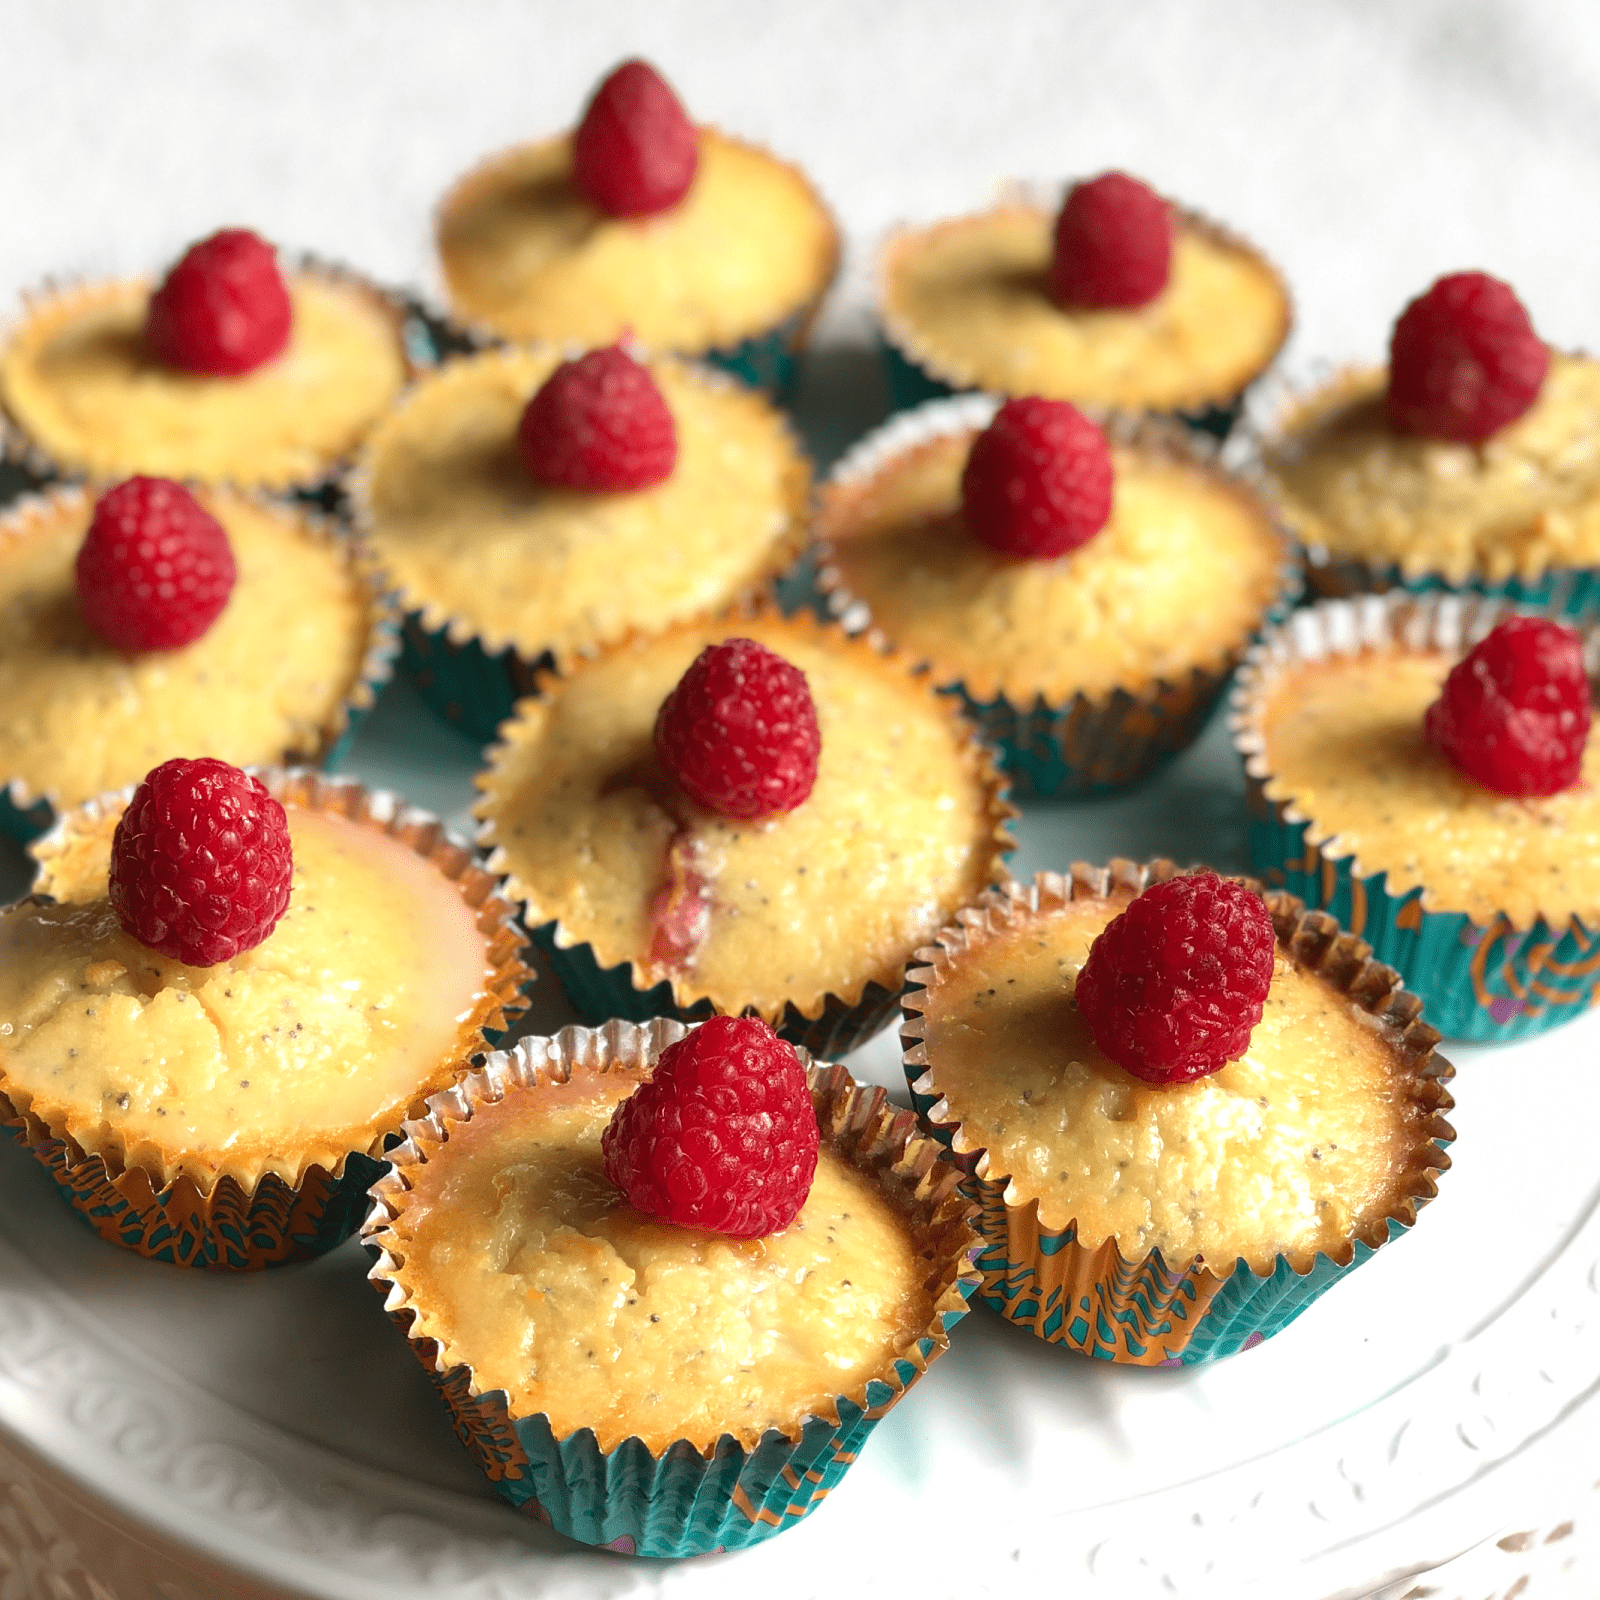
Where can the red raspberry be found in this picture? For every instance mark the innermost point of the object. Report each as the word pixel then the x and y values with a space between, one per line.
pixel 201 862
pixel 1174 985
pixel 1463 360
pixel 223 308
pixel 155 568
pixel 634 152
pixel 599 423
pixel 1514 712
pixel 1037 480
pixel 739 733
pixel 723 1136
pixel 1113 244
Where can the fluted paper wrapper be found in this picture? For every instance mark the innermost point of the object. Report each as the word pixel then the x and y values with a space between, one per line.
pixel 599 993
pixel 25 815
pixel 1143 1311
pixel 683 1500
pixel 1064 746
pixel 1486 982
pixel 915 375
pixel 245 1219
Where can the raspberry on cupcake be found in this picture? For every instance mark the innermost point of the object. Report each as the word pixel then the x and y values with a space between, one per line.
pixel 1425 769
pixel 642 225
pixel 1046 568
pixel 1115 297
pixel 1463 465
pixel 1187 1110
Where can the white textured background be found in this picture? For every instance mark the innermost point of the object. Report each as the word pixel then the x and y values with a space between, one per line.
pixel 1366 145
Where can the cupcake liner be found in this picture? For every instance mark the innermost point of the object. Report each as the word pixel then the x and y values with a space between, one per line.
pixel 1485 982
pixel 598 992
pixel 1086 744
pixel 473 680
pixel 1275 411
pixel 914 374
pixel 1145 1312
pixel 682 1500
pixel 26 815
pixel 767 360
pixel 254 1217
pixel 415 329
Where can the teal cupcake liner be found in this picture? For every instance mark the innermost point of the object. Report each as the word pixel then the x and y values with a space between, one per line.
pixel 1090 745
pixel 1484 982
pixel 244 1222
pixel 1565 592
pixel 599 993
pixel 25 816
pixel 1143 1312
pixel 683 1500
pixel 471 688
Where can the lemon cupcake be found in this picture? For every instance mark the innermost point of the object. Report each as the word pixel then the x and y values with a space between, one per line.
pixel 231 1115
pixel 665 1390
pixel 1087 668
pixel 639 225
pixel 1164 1223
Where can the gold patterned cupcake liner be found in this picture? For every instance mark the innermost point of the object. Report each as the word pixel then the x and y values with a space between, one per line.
pixel 246 1215
pixel 917 375
pixel 1145 1311
pixel 688 1498
pixel 26 811
pixel 605 984
pixel 1488 982
pixel 417 330
pixel 766 359
pixel 473 677
pixel 1064 743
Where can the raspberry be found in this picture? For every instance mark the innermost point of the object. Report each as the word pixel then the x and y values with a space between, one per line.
pixel 223 308
pixel 1113 244
pixel 1038 479
pixel 1514 712
pixel 634 152
pixel 1174 985
pixel 201 862
pixel 723 1136
pixel 739 733
pixel 599 423
pixel 155 568
pixel 1463 360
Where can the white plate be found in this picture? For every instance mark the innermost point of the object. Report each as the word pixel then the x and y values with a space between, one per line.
pixel 277 1423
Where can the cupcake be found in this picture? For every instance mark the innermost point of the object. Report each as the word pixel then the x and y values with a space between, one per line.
pixel 1066 619
pixel 216 1007
pixel 1117 298
pixel 752 813
pixel 640 225
pixel 1467 463
pixel 1423 769
pixel 664 1387
pixel 269 642
pixel 516 541
pixel 229 371
pixel 1168 1180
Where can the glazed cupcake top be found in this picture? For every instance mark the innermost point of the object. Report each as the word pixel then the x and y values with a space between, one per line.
pixel 902 825
pixel 529 256
pixel 478 544
pixel 1311 1139
pixel 969 299
pixel 1117 612
pixel 80 383
pixel 1340 739
pixel 308 1046
pixel 270 677
pixel 528 1266
pixel 1525 500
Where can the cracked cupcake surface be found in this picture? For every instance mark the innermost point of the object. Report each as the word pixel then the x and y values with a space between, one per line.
pixel 321 1035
